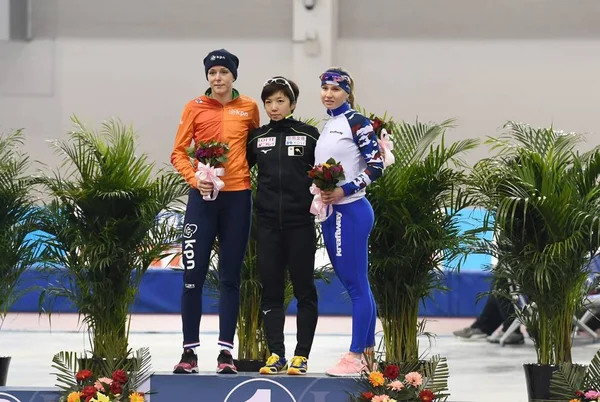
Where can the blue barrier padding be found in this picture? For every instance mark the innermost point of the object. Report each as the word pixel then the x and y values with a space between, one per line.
pixel 160 289
pixel 160 293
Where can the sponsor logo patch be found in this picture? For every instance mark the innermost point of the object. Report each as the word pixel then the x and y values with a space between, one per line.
pixel 266 142
pixel 295 140
pixel 295 151
pixel 237 112
pixel 338 234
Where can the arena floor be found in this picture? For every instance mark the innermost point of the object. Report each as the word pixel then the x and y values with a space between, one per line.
pixel 478 370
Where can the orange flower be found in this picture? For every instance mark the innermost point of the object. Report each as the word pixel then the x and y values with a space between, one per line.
pixel 74 397
pixel 574 400
pixel 136 397
pixel 376 378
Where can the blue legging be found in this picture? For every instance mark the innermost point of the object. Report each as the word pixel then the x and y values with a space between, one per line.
pixel 346 235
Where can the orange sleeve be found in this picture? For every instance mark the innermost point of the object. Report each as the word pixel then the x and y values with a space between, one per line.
pixel 255 118
pixel 183 139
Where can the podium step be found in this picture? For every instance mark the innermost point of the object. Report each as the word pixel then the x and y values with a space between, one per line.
pixel 250 387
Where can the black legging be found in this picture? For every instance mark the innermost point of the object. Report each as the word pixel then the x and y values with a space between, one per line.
pixel 292 248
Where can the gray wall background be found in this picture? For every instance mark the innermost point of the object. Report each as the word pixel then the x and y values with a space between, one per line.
pixel 480 61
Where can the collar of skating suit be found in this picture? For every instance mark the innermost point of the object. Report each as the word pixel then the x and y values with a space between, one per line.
pixel 339 110
pixel 286 122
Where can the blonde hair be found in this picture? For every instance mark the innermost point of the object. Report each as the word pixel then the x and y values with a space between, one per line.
pixel 343 71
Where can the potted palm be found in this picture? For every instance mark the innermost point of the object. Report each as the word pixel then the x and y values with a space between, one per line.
pixel 419 203
pixel 18 220
pixel 545 200
pixel 103 228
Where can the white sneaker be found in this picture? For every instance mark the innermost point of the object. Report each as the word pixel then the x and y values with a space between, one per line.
pixel 516 338
pixel 470 333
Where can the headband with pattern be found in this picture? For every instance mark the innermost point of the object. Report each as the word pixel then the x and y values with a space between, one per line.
pixel 335 78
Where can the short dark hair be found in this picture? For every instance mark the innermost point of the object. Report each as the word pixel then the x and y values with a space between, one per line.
pixel 279 83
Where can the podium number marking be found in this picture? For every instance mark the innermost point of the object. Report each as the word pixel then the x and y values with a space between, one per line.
pixel 261 395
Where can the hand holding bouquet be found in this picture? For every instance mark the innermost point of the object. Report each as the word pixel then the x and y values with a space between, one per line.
pixel 210 156
pixel 382 129
pixel 325 177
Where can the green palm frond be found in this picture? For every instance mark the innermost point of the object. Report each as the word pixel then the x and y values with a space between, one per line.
pixel 436 374
pixel 592 375
pixel 570 378
pixel 566 380
pixel 66 364
pixel 413 141
pixel 141 370
pixel 310 121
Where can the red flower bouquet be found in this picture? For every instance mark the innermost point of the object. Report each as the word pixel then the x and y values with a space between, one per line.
pixel 117 387
pixel 211 153
pixel 210 157
pixel 325 177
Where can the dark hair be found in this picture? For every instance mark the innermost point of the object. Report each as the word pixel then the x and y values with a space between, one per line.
pixel 342 71
pixel 279 83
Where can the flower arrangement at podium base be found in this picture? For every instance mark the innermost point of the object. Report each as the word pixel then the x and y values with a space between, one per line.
pixel 418 381
pixel 576 382
pixel 107 380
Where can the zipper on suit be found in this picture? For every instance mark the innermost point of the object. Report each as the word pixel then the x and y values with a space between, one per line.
pixel 221 139
pixel 280 191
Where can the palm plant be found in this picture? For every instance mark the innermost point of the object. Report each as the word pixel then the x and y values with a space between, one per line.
pixel 545 200
pixel 419 203
pixel 251 340
pixel 18 220
pixel 104 229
